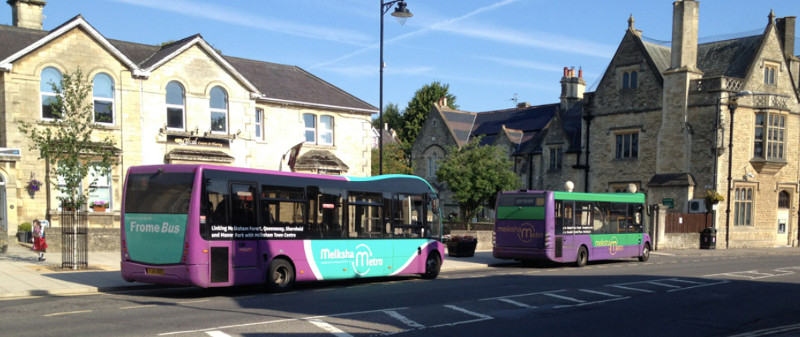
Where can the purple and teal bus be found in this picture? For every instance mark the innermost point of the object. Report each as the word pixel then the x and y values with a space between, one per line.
pixel 570 227
pixel 215 226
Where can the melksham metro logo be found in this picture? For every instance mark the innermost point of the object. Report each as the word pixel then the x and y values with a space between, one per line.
pixel 363 260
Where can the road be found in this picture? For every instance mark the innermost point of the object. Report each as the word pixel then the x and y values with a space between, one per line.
pixel 667 296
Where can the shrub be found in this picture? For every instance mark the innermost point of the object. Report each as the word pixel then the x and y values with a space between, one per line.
pixel 24 227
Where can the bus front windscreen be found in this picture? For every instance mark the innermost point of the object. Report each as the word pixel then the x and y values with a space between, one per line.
pixel 156 212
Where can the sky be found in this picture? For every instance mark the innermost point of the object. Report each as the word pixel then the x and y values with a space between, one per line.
pixel 491 53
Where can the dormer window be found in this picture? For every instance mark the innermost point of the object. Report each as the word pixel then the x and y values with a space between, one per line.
pixel 770 73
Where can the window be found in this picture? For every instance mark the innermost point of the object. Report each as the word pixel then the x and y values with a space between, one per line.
pixel 627 146
pixel 259 124
pixel 770 130
pixel 325 131
pixel 175 106
pixel 769 73
pixel 556 159
pixel 103 92
pixel 101 186
pixel 219 110
pixel 432 165
pixel 783 199
pixel 630 79
pixel 311 127
pixel 743 208
pixel 50 77
pixel 365 215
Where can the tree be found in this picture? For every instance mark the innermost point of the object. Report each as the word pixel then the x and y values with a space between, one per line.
pixel 419 107
pixel 475 174
pixel 395 160
pixel 67 141
pixel 391 116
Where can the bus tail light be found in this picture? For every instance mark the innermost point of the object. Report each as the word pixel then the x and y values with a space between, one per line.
pixel 547 240
pixel 494 239
pixel 185 252
pixel 124 248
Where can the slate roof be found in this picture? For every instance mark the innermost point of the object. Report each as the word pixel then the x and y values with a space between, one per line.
pixel 522 125
pixel 729 58
pixel 275 82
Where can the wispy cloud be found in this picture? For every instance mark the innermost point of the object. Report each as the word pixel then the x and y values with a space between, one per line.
pixel 227 15
pixel 526 64
pixel 363 71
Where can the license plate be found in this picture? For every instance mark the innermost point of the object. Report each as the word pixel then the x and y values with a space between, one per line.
pixel 155 271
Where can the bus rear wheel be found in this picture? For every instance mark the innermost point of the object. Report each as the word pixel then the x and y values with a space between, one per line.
pixel 432 266
pixel 645 253
pixel 280 276
pixel 583 257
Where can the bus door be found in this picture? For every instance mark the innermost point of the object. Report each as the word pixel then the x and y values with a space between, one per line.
pixel 244 221
pixel 565 228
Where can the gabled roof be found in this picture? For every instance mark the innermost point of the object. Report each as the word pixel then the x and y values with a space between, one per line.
pixel 460 123
pixel 266 81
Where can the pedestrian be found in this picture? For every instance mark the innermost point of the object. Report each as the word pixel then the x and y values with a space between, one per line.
pixel 39 243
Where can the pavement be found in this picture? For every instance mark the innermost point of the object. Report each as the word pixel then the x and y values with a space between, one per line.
pixel 22 275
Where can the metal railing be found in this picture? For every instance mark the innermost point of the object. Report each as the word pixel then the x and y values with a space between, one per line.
pixel 74 240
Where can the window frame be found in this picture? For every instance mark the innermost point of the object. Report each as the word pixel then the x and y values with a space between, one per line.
pixel 556 158
pixel 216 109
pixel 769 136
pixel 743 206
pixel 325 130
pixel 771 70
pixel 52 96
pixel 181 106
pixel 106 100
pixel 312 129
pixel 631 146
pixel 260 131
pixel 318 130
pixel 99 181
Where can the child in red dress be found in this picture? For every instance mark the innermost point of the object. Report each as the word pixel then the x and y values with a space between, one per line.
pixel 39 243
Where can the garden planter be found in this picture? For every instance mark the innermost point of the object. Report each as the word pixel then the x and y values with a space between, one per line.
pixel 461 249
pixel 24 236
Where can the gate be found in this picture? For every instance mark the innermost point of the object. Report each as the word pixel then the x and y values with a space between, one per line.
pixel 74 240
pixel 687 222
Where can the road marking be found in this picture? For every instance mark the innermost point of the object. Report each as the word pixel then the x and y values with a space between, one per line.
pixel 663 284
pixel 67 313
pixel 329 328
pixel 217 334
pixel 407 321
pixel 468 312
pixel 138 306
pixel 522 295
pixel 283 320
pixel 564 298
pixel 770 331
pixel 630 288
pixel 599 293
pixel 519 304
pixel 756 275
pixel 189 302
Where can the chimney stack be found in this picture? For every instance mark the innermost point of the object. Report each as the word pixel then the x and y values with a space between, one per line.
pixel 684 34
pixel 786 34
pixel 27 13
pixel 572 88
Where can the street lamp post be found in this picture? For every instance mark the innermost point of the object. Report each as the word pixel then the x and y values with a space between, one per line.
pixel 402 14
pixel 732 105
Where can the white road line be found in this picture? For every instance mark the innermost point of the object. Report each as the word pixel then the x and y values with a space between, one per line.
pixel 407 321
pixel 468 312
pixel 663 284
pixel 138 306
pixel 217 334
pixel 513 302
pixel 770 331
pixel 699 286
pixel 329 328
pixel 67 313
pixel 522 295
pixel 630 288
pixel 565 298
pixel 686 281
pixel 599 293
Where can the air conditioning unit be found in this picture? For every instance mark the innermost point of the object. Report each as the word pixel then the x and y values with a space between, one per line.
pixel 697 206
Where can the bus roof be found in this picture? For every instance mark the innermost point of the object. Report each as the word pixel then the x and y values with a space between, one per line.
pixel 610 197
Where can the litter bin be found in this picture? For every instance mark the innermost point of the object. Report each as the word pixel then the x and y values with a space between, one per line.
pixel 708 238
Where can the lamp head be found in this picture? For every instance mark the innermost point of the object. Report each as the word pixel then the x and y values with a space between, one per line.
pixel 402 13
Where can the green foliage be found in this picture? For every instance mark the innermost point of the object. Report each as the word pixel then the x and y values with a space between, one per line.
pixel 391 116
pixel 475 174
pixel 419 107
pixel 24 227
pixel 395 160
pixel 67 142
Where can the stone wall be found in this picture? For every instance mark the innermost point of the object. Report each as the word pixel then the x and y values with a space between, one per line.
pixel 100 239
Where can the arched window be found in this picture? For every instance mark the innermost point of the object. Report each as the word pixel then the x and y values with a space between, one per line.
pixel 175 106
pixel 743 208
pixel 625 80
pixel 50 77
pixel 219 110
pixel 634 79
pixel 103 92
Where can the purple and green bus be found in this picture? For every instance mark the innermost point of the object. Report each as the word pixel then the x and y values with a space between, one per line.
pixel 570 227
pixel 215 226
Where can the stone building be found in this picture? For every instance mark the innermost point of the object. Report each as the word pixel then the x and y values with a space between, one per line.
pixel 543 141
pixel 673 121
pixel 182 102
pixel 662 118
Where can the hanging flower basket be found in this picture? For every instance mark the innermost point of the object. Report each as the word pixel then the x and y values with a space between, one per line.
pixel 33 186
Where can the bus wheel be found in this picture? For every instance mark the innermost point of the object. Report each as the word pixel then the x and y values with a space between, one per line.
pixel 280 276
pixel 432 266
pixel 645 253
pixel 583 257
